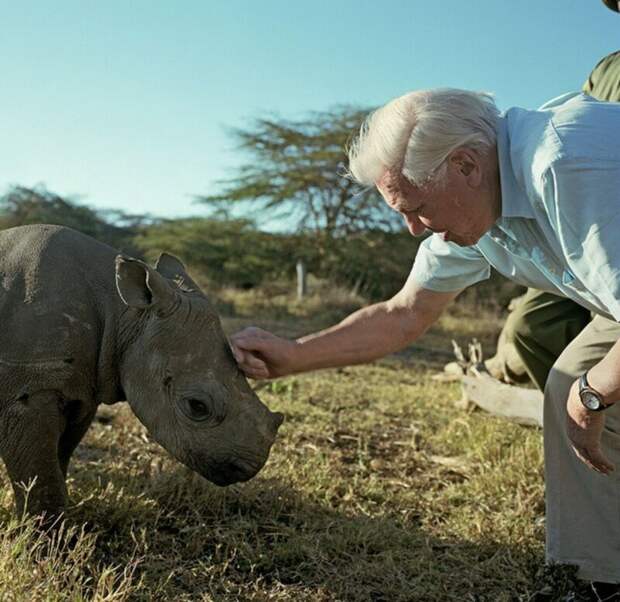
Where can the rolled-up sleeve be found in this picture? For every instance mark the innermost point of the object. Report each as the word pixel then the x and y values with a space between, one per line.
pixel 445 267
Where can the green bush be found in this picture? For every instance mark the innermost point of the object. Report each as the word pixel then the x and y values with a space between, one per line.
pixel 226 252
pixel 22 206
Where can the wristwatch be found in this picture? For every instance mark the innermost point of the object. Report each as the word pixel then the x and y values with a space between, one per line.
pixel 590 397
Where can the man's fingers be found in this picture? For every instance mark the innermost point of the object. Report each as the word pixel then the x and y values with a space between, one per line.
pixel 257 374
pixel 250 339
pixel 250 364
pixel 595 459
pixel 249 360
pixel 259 353
pixel 237 353
pixel 253 367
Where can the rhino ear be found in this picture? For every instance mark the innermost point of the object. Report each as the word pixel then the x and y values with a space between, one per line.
pixel 139 285
pixel 172 268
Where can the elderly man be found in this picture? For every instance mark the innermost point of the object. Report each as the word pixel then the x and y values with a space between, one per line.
pixel 536 195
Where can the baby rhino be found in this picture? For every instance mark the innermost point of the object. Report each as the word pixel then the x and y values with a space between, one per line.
pixel 81 325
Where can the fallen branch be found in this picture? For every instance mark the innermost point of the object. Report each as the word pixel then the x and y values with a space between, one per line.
pixel 518 404
pixel 521 405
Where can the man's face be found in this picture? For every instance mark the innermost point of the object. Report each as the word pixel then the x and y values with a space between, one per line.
pixel 460 207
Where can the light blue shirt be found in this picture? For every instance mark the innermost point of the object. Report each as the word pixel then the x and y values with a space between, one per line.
pixel 560 225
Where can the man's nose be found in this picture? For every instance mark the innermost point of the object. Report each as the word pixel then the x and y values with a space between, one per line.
pixel 414 225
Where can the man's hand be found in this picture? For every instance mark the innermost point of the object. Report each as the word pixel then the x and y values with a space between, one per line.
pixel 584 429
pixel 261 354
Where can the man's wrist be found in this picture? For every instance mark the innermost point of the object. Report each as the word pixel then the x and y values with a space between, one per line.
pixel 299 356
pixel 594 397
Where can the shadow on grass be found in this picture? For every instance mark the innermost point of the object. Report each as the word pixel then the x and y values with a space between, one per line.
pixel 265 540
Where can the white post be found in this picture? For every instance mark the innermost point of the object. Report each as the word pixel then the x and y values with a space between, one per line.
pixel 302 283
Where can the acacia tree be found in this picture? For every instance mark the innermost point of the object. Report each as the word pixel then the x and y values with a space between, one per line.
pixel 295 169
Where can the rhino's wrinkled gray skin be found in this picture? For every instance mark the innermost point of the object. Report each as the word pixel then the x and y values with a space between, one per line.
pixel 81 325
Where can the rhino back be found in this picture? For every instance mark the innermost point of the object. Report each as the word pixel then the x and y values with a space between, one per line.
pixel 56 296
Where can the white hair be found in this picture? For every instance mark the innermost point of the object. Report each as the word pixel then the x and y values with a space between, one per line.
pixel 416 132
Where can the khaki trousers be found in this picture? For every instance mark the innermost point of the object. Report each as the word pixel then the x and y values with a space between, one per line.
pixel 583 507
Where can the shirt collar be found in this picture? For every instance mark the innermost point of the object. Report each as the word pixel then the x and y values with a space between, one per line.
pixel 514 200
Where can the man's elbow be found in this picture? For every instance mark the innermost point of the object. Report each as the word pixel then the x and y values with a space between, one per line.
pixel 412 322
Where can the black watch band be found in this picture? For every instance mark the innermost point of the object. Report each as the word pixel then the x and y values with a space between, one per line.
pixel 591 398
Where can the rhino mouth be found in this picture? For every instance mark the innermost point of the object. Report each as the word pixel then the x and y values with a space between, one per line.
pixel 232 471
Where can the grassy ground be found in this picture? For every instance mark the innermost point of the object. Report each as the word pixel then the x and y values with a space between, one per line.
pixel 378 488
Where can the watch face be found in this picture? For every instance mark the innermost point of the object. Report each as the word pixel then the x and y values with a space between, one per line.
pixel 590 400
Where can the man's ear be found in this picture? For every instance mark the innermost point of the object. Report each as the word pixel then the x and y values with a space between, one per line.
pixel 140 286
pixel 466 163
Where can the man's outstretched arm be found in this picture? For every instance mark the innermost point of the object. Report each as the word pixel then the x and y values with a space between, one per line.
pixel 365 335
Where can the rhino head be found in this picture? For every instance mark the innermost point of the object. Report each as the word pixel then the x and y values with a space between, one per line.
pixel 180 377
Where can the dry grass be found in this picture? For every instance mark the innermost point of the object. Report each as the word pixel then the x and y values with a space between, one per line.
pixel 276 306
pixel 377 489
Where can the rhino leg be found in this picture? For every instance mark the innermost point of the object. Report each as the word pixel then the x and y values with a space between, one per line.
pixel 78 423
pixel 30 433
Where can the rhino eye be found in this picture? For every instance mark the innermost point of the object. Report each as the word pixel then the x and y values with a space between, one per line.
pixel 195 409
pixel 198 410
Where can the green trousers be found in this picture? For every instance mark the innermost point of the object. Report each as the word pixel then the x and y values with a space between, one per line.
pixel 540 328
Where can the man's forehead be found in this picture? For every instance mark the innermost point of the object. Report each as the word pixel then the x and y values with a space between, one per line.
pixel 391 178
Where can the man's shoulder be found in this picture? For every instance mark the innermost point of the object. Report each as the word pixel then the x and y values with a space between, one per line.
pixel 587 129
pixel 552 130
pixel 569 132
pixel 532 144
pixel 569 127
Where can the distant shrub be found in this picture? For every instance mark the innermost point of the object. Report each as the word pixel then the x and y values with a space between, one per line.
pixel 225 252
pixel 22 206
pixel 374 263
pixel 234 253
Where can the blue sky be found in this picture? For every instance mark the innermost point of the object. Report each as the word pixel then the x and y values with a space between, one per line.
pixel 125 104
